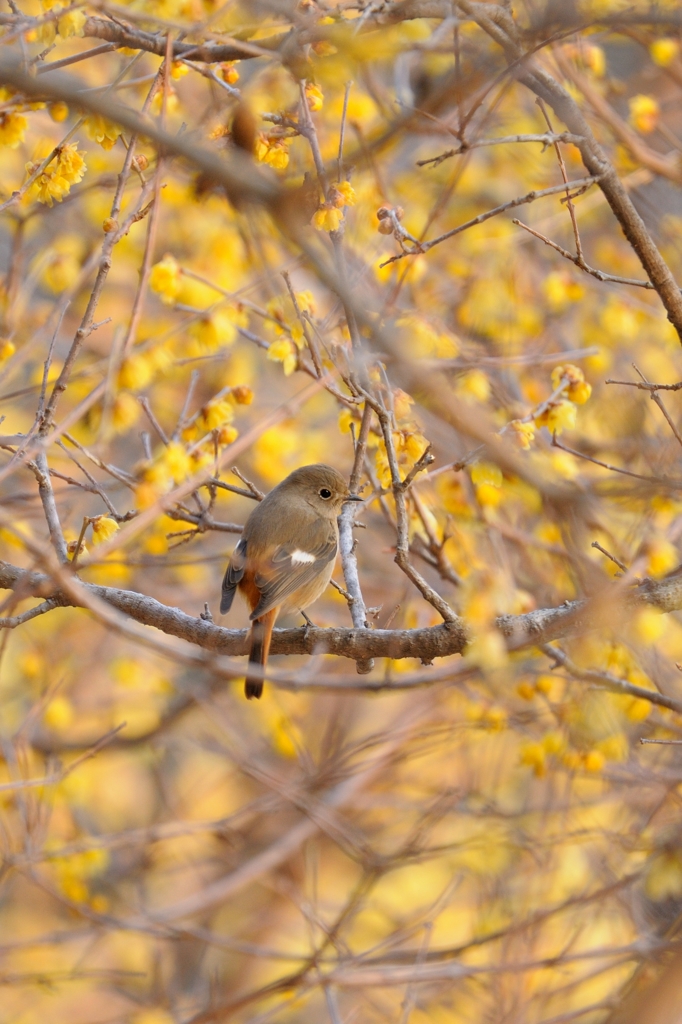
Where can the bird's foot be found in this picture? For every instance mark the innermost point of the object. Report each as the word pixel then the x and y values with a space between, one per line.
pixel 309 624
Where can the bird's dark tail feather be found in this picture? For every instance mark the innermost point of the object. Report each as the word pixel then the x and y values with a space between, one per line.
pixel 261 634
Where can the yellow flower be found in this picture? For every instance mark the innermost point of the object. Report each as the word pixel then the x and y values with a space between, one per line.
pixel 229 72
pixel 474 383
pixel 59 713
pixel 664 51
pixel 61 272
pixel 284 351
pixel 327 218
pixel 573 378
pixel 12 129
pixel 594 60
pixel 306 302
pixel 523 433
pixel 495 719
pixel 58 111
pixel 46 33
pixel 7 349
pixel 173 465
pixel 580 392
pixel 566 374
pixel 103 528
pixel 56 180
pixel 343 194
pixel 560 289
pixel 242 394
pixel 649 625
pixel 323 48
pixel 486 473
pixel 172 101
pixel 638 709
pixel 594 761
pixel 164 279
pixel 534 756
pixel 71 24
pixel 558 417
pixel 215 414
pixel 273 151
pixel 70 163
pixel 124 411
pixel 178 70
pixel 227 435
pixel 402 403
pixel 314 96
pixel 214 331
pixel 644 113
pixel 102 131
pixel 662 556
pixel 135 373
pixel 545 684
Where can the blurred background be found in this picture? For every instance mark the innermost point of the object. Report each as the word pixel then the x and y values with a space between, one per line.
pixel 483 839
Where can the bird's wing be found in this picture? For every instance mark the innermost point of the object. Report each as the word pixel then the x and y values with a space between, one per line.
pixel 293 566
pixel 233 574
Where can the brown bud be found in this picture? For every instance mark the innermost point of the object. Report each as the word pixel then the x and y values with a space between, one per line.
pixel 109 225
pixel 140 162
pixel 399 212
pixel 385 227
pixel 244 128
pixel 383 212
pixel 242 394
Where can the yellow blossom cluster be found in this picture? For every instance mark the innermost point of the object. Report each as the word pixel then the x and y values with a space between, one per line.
pixel 314 96
pixel 71 23
pixel 165 279
pixel 102 131
pixel 644 113
pixel 487 479
pixel 216 330
pixel 55 181
pixel 409 445
pixel 570 390
pixel 103 528
pixel 12 129
pixel 664 51
pixel 273 150
pixel 328 217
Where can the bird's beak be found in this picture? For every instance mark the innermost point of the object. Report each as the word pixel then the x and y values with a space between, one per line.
pixel 353 497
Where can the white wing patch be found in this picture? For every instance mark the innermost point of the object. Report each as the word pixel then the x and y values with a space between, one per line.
pixel 299 557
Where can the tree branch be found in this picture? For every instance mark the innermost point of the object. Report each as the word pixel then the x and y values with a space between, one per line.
pixel 528 630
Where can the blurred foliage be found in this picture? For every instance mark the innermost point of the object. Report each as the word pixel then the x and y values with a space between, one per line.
pixel 494 845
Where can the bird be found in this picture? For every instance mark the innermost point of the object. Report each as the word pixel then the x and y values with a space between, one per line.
pixel 285 557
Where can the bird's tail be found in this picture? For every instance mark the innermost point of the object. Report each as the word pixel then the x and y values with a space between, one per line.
pixel 261 634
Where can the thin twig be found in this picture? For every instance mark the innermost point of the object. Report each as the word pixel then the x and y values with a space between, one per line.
pixel 579 262
pixel 659 402
pixel 610 682
pixel 530 197
pixel 353 593
pixel 621 565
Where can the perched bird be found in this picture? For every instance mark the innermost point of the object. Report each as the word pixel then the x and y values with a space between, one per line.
pixel 285 558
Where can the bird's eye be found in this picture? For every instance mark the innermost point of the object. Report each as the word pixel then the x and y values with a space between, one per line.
pixel 325 493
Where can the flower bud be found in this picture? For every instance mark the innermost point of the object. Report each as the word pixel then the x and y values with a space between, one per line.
pixel 58 111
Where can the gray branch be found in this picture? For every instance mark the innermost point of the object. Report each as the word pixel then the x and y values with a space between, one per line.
pixel 431 642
